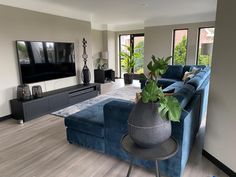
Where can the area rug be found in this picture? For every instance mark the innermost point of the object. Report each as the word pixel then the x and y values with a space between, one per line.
pixel 125 93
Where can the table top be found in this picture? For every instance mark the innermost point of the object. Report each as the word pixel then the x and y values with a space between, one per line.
pixel 161 151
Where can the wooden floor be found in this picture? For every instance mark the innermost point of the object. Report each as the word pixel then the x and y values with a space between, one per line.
pixel 39 149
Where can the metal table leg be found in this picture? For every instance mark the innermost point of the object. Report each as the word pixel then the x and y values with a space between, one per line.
pixel 130 169
pixel 157 169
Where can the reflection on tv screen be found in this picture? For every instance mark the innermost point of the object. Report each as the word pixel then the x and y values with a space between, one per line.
pixel 41 61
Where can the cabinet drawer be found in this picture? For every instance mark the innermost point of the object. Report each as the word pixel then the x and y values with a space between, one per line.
pixel 35 109
pixel 83 97
pixel 58 101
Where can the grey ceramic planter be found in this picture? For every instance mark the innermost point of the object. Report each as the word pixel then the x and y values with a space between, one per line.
pixel 146 127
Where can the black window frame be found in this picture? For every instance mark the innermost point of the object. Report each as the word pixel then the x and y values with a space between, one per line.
pixel 173 45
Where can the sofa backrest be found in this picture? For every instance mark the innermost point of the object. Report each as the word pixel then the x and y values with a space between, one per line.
pixel 184 95
pixel 174 72
pixel 200 77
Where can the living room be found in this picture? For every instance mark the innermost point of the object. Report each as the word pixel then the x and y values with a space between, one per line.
pixel 32 148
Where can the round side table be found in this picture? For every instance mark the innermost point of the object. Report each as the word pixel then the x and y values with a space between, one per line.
pixel 160 152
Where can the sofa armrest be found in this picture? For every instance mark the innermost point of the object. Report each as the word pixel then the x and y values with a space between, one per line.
pixel 116 114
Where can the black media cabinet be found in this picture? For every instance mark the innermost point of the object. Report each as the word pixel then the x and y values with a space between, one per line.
pixel 52 101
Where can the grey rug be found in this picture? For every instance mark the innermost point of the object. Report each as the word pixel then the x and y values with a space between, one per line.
pixel 125 93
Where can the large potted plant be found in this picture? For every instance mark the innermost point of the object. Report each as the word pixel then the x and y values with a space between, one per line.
pixel 150 120
pixel 129 57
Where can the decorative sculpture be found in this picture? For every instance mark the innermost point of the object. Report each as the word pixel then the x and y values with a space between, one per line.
pixel 85 72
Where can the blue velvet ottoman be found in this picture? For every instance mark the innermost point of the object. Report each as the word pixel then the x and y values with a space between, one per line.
pixel 86 127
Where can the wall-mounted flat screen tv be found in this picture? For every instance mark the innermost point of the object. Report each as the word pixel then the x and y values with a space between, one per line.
pixel 42 61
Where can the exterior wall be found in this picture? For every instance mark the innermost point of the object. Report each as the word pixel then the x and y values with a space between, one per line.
pixel 159 39
pixel 19 24
pixel 220 138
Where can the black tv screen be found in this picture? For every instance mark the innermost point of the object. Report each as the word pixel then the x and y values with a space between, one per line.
pixel 42 61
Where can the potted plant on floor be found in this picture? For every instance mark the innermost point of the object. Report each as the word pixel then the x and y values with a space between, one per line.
pixel 150 120
pixel 129 57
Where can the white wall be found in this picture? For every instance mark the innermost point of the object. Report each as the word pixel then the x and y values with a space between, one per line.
pixel 158 40
pixel 220 138
pixel 18 24
pixel 109 45
pixel 97 45
pixel 112 49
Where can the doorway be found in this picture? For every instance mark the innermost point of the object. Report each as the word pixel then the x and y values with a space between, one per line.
pixel 136 42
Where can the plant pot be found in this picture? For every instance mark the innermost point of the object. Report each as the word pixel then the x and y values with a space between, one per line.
pixel 128 78
pixel 146 128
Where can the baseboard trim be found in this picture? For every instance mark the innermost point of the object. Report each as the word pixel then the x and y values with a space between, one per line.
pixel 219 164
pixel 5 118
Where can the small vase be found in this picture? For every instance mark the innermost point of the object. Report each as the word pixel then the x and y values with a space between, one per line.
pixel 85 75
pixel 146 128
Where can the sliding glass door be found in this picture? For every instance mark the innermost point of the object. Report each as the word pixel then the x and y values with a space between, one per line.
pixel 136 42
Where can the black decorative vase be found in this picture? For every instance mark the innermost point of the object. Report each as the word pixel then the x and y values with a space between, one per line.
pixel 37 91
pixel 85 71
pixel 146 128
pixel 23 92
pixel 85 75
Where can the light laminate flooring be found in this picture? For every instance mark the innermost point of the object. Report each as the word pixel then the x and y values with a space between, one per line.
pixel 39 148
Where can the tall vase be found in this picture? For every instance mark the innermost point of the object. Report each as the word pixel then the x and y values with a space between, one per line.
pixel 146 127
pixel 85 71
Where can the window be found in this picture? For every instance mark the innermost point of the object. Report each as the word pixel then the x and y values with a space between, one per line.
pixel 205 46
pixel 136 42
pixel 180 38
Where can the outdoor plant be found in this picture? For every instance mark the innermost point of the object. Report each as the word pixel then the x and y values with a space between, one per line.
pixel 129 58
pixel 169 108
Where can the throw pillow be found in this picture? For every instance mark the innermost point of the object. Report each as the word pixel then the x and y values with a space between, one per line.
pixel 189 77
pixel 186 74
pixel 195 70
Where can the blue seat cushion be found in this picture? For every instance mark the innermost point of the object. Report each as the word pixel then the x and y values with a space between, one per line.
pixel 174 72
pixel 89 120
pixel 184 94
pixel 163 82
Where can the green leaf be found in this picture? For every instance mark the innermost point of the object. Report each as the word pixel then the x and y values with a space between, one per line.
pixel 150 92
pixel 149 66
pixel 170 108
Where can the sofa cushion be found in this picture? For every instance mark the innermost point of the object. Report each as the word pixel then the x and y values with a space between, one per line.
pixel 89 120
pixel 184 94
pixel 174 72
pixel 163 82
pixel 177 86
pixel 187 68
pixel 196 81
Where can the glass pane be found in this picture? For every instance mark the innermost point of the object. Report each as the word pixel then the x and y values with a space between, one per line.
pixel 22 52
pixel 51 52
pixel 37 49
pixel 180 47
pixel 206 40
pixel 139 48
pixel 64 52
pixel 124 40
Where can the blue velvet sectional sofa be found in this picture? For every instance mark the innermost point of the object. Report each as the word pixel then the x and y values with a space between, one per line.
pixel 101 126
